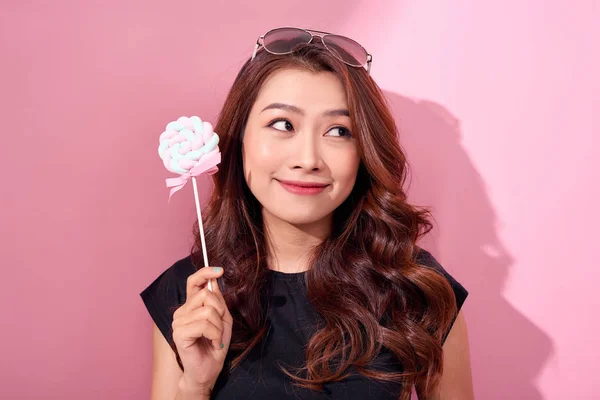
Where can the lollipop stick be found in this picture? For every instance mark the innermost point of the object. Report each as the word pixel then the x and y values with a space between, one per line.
pixel 201 228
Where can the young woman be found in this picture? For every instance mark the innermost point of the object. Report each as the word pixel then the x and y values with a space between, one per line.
pixel 321 291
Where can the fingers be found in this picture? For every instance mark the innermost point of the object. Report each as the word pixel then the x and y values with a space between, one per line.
pixel 217 293
pixel 188 333
pixel 198 279
pixel 196 318
pixel 194 279
pixel 205 298
pixel 203 313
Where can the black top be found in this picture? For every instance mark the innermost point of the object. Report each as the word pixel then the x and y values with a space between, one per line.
pixel 292 320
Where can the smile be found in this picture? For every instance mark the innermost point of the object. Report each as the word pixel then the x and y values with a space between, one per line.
pixel 303 188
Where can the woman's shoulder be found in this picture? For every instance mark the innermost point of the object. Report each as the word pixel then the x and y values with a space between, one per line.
pixel 181 269
pixel 425 258
pixel 176 274
pixel 167 292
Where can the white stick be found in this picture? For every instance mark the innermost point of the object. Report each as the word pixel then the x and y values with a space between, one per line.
pixel 201 228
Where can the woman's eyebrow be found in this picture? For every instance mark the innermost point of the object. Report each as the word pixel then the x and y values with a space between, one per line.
pixel 294 109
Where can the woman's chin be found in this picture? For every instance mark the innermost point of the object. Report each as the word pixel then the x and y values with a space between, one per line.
pixel 306 217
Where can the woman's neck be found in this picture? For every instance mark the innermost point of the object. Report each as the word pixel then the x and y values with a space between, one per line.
pixel 289 245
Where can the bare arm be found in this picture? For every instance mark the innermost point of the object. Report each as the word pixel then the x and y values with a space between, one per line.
pixel 165 370
pixel 166 374
pixel 456 383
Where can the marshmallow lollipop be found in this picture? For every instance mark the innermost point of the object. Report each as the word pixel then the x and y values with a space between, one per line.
pixel 189 147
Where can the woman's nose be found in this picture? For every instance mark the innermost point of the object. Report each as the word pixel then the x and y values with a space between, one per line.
pixel 307 154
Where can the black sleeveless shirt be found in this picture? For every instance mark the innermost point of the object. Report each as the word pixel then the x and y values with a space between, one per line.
pixel 292 323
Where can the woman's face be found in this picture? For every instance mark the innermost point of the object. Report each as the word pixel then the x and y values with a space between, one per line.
pixel 299 131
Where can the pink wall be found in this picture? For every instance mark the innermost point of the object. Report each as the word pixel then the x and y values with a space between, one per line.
pixel 495 100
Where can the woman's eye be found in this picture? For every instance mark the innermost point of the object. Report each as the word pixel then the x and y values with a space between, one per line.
pixel 282 125
pixel 285 125
pixel 341 131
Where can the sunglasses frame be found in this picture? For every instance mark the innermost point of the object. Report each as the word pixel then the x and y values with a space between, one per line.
pixel 321 35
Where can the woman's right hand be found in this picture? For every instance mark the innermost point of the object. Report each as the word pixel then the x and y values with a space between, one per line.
pixel 202 331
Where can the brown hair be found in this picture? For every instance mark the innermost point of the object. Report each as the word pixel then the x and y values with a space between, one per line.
pixel 365 282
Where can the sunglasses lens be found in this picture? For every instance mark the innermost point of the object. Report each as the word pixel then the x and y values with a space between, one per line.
pixel 346 49
pixel 283 40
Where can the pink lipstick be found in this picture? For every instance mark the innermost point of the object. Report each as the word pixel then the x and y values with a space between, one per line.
pixel 302 187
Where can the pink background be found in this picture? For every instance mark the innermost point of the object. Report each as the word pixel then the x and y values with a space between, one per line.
pixel 496 102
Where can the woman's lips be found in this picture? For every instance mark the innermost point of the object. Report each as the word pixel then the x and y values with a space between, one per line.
pixel 303 188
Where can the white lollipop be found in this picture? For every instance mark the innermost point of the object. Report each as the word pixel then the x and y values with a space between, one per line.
pixel 189 147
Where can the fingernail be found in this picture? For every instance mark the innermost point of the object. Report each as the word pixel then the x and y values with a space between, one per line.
pixel 222 345
pixel 217 269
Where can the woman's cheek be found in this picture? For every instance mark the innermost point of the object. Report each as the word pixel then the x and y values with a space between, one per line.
pixel 269 154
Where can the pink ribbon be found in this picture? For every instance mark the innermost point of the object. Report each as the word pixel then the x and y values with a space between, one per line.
pixel 208 163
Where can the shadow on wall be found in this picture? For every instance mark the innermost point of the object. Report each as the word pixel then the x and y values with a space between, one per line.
pixel 508 351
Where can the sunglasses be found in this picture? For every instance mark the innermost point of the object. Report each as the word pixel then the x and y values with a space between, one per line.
pixel 283 40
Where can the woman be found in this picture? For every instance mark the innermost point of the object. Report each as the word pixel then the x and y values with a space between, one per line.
pixel 321 290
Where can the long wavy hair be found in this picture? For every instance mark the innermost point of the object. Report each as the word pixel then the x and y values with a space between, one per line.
pixel 365 282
